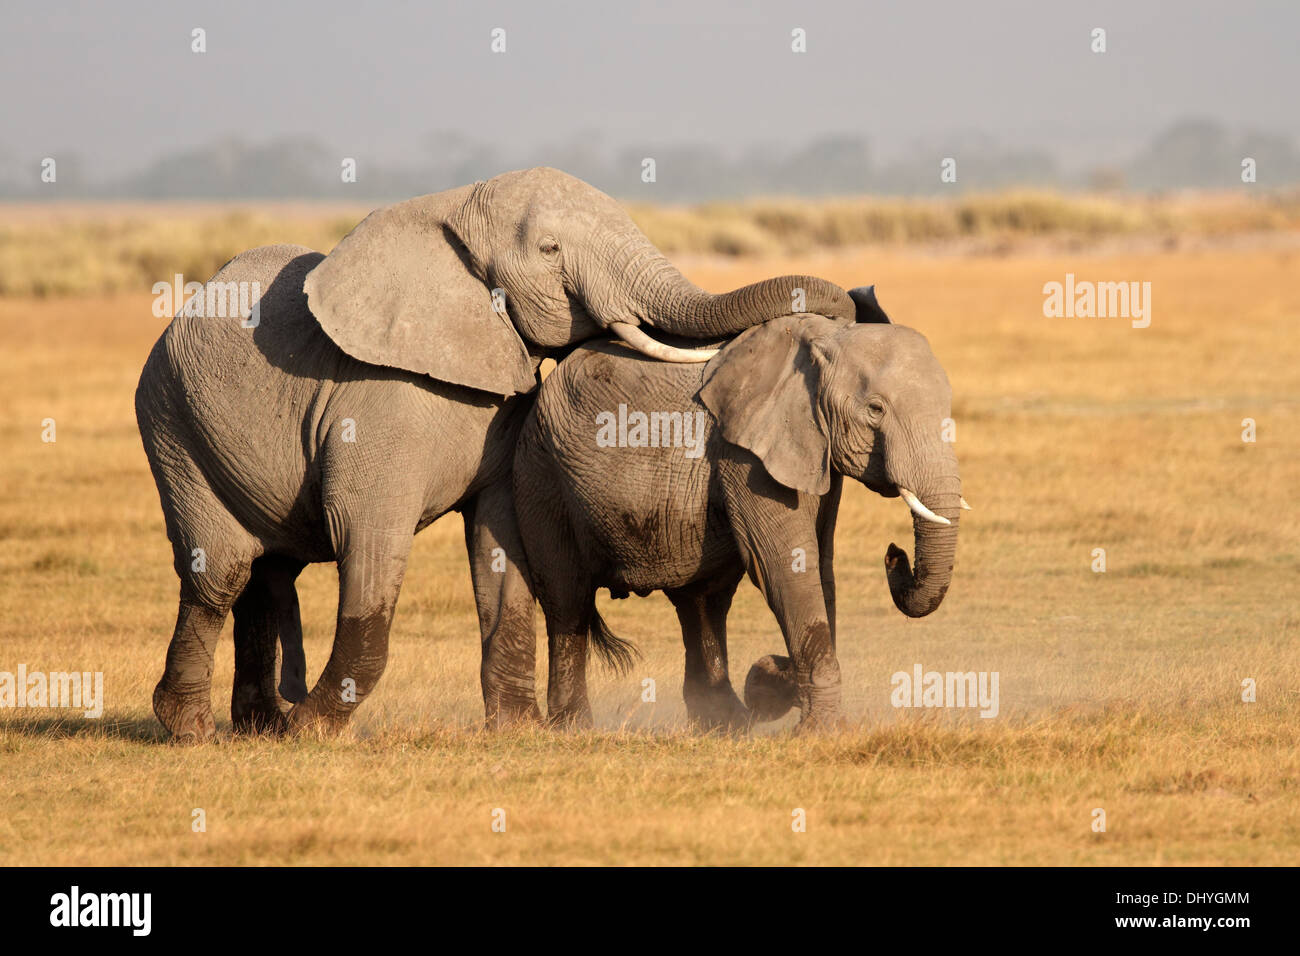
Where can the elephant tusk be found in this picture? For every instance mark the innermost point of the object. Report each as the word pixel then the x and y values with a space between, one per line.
pixel 921 510
pixel 965 507
pixel 658 350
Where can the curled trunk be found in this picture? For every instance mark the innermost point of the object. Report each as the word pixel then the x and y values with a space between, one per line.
pixel 919 589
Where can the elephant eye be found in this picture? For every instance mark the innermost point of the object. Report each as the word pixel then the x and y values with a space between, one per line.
pixel 550 246
pixel 876 407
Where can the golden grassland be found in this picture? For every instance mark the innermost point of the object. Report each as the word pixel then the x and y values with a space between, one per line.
pixel 55 249
pixel 1119 690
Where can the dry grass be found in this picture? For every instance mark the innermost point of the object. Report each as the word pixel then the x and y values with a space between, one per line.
pixel 1118 690
pixel 790 226
pixel 92 249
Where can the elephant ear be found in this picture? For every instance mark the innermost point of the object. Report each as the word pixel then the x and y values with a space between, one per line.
pixel 401 290
pixel 762 388
pixel 867 306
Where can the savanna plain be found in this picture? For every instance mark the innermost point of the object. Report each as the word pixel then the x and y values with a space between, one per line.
pixel 1119 689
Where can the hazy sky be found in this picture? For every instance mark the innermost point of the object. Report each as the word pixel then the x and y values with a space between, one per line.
pixel 116 82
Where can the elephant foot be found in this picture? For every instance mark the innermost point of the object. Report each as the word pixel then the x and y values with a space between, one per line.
pixel 187 717
pixel 718 709
pixel 824 722
pixel 770 689
pixel 513 714
pixel 576 716
pixel 252 712
pixel 293 689
pixel 306 720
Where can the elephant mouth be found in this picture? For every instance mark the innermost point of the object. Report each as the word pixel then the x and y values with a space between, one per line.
pixel 580 320
pixel 913 503
pixel 919 509
pixel 634 336
pixel 637 339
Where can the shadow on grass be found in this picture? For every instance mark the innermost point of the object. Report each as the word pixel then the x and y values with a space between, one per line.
pixel 136 729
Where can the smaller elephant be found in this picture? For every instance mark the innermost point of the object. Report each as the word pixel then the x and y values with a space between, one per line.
pixel 640 476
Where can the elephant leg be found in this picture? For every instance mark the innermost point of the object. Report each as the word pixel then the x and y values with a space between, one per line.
pixel 776 534
pixel 711 702
pixel 568 602
pixel 499 571
pixel 799 607
pixel 567 629
pixel 827 514
pixel 371 567
pixel 213 556
pixel 182 699
pixel 266 621
pixel 560 580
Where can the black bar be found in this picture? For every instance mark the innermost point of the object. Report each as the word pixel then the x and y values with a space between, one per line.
pixel 291 906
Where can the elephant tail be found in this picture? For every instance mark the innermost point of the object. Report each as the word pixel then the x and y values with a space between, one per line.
pixel 618 654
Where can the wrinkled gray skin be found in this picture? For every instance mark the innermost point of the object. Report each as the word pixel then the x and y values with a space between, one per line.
pixel 793 406
pixel 379 390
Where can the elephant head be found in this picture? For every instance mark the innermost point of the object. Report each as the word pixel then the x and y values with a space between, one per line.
pixel 467 285
pixel 867 399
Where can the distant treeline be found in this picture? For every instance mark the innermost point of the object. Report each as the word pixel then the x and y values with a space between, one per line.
pixel 1192 154
pixel 94 249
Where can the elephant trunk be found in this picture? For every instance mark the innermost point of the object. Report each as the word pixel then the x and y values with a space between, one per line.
pixel 659 295
pixel 918 590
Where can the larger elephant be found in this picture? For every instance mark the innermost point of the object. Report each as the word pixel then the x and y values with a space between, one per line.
pixel 371 391
pixel 730 469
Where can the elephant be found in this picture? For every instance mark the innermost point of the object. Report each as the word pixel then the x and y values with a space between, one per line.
pixel 735 467
pixel 368 392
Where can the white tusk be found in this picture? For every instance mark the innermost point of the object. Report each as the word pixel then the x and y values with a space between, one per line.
pixel 921 510
pixel 965 507
pixel 658 350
